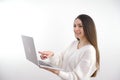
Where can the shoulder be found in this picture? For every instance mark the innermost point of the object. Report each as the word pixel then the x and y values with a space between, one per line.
pixel 90 50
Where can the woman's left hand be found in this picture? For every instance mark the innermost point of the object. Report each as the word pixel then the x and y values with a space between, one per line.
pixel 52 70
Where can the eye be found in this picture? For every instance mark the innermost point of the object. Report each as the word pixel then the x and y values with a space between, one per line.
pixel 80 26
pixel 74 25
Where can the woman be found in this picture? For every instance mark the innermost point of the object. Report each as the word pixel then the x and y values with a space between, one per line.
pixel 80 60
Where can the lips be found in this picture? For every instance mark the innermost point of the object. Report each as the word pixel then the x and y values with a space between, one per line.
pixel 77 33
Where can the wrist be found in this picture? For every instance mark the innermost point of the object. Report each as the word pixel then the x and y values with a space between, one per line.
pixel 57 72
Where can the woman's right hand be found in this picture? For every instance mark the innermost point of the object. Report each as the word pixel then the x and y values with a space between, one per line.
pixel 46 54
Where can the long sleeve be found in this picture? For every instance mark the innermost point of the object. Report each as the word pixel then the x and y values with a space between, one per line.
pixel 57 59
pixel 85 67
pixel 77 64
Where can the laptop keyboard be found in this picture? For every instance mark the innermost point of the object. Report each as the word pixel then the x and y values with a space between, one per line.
pixel 44 63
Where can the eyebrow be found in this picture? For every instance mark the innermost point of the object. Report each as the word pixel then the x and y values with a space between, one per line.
pixel 78 24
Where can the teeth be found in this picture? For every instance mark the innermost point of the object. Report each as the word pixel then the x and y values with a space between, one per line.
pixel 78 32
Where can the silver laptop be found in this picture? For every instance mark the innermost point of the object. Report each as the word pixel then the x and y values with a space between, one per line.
pixel 31 55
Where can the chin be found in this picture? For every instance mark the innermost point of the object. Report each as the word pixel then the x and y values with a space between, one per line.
pixel 77 38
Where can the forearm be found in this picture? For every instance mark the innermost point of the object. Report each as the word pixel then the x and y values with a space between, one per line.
pixel 56 72
pixel 53 71
pixel 56 59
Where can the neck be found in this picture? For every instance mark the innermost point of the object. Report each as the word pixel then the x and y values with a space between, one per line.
pixel 83 42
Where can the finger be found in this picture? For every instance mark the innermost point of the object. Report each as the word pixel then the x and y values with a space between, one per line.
pixel 43 53
pixel 40 52
pixel 43 57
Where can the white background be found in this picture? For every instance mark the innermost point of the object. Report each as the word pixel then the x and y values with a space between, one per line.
pixel 50 23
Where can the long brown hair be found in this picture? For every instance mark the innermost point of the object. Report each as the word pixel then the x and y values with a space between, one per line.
pixel 90 33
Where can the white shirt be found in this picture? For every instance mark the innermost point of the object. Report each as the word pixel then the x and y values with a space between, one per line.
pixel 78 64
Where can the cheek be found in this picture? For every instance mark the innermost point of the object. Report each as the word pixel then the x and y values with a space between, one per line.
pixel 74 29
pixel 82 32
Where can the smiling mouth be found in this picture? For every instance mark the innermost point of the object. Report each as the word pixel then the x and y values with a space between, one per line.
pixel 78 33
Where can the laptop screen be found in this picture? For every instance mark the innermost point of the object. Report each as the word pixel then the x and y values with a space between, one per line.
pixel 29 48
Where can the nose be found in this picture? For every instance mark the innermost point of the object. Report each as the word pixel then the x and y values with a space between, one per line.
pixel 76 28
